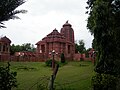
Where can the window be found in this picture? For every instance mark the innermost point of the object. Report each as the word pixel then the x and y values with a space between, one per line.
pixel 43 48
pixel 0 47
pixel 3 48
pixel 68 49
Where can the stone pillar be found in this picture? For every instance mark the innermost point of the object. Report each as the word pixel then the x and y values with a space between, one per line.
pixel 38 48
pixel 66 49
pixel 1 47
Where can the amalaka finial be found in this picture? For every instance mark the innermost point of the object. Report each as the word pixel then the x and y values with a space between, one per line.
pixel 67 21
pixel 55 29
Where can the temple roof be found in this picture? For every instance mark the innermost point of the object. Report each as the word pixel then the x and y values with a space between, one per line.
pixel 67 24
pixel 5 39
pixel 54 36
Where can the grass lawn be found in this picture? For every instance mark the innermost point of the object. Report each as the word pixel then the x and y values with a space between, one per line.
pixel 72 76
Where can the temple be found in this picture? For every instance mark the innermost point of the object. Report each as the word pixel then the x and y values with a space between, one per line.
pixel 62 42
pixel 4 48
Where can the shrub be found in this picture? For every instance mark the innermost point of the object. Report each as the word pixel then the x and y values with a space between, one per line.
pixel 7 78
pixel 49 63
pixel 62 58
pixel 104 82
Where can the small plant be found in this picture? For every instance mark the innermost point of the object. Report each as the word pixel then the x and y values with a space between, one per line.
pixel 49 63
pixel 27 68
pixel 62 58
pixel 7 79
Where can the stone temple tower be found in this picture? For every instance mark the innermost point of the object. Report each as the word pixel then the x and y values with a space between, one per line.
pixel 68 32
pixel 62 42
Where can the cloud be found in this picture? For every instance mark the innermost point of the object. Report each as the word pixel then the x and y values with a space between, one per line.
pixel 45 15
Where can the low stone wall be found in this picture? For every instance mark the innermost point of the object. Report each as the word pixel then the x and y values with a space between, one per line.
pixel 79 56
pixel 40 58
pixel 4 57
pixel 22 58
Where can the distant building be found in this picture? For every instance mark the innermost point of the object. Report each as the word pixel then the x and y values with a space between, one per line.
pixel 4 48
pixel 92 55
pixel 62 42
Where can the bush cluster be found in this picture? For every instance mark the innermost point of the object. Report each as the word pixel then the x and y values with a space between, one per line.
pixel 104 82
pixel 62 58
pixel 7 78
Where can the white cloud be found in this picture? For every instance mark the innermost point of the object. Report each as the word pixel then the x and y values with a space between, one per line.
pixel 45 15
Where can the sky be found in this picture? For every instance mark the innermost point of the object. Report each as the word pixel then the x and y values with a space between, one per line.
pixel 43 17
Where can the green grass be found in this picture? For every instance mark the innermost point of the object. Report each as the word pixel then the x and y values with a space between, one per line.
pixel 72 76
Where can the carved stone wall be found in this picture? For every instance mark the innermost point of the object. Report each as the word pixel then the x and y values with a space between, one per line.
pixel 62 42
pixel 4 48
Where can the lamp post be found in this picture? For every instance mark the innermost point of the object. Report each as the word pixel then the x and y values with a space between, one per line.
pixel 53 60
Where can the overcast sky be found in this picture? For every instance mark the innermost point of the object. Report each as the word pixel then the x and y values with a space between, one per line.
pixel 45 15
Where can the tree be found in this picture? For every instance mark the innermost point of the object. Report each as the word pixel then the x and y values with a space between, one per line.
pixel 28 47
pixel 8 10
pixel 87 52
pixel 23 47
pixel 103 23
pixel 7 78
pixel 80 47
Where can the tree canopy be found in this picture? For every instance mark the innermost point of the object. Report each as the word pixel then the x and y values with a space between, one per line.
pixel 80 47
pixel 8 10
pixel 103 23
pixel 23 47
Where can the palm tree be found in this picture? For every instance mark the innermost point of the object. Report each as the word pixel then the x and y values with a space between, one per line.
pixel 8 10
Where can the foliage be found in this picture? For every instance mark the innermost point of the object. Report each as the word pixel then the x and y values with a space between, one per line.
pixel 49 63
pixel 7 78
pixel 23 47
pixel 103 23
pixel 87 52
pixel 62 58
pixel 80 47
pixel 104 82
pixel 8 10
pixel 27 68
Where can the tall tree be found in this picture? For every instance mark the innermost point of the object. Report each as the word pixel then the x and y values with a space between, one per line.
pixel 23 47
pixel 80 47
pixel 8 10
pixel 28 47
pixel 103 23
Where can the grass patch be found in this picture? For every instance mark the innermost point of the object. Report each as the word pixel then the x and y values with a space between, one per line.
pixel 74 76
pixel 71 76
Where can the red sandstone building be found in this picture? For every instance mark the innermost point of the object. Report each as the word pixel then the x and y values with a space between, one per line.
pixel 4 48
pixel 62 42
